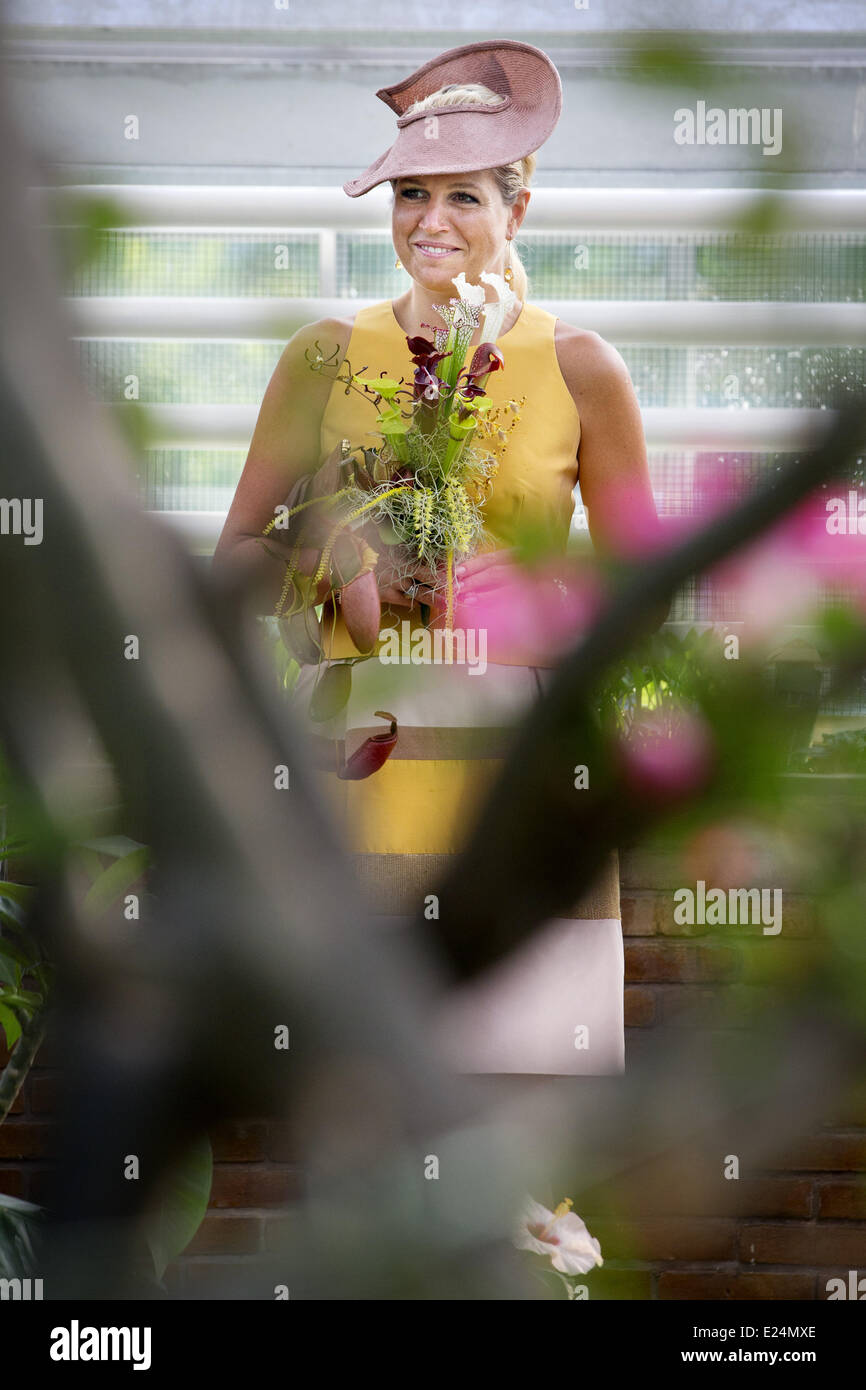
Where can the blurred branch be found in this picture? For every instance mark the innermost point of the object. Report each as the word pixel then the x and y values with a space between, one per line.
pixel 251 921
pixel 518 869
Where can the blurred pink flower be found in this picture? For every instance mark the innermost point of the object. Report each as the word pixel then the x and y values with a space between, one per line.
pixel 769 583
pixel 780 577
pixel 666 754
pixel 725 854
pixel 825 531
pixel 534 615
pixel 625 521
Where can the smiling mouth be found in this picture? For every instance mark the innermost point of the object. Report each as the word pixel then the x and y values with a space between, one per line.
pixel 431 249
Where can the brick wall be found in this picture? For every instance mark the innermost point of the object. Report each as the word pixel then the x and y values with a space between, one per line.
pixel 780 1232
pixel 255 1177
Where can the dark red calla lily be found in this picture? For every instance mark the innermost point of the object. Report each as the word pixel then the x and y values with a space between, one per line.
pixel 420 345
pixel 470 389
pixel 425 356
pixel 423 350
pixel 486 359
pixel 428 386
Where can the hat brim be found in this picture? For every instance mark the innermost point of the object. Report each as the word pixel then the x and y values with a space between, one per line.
pixel 463 139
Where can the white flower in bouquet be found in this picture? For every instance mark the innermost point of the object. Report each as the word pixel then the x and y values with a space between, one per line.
pixel 496 312
pixel 493 312
pixel 469 293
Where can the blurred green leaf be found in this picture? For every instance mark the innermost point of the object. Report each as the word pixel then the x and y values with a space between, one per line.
pixel 764 217
pixel 115 845
pixel 81 240
pixel 113 881
pixel 134 421
pixel 20 1225
pixel 332 692
pixel 10 1025
pixel 18 892
pixel 13 915
pixel 179 1209
pixel 675 61
pixel 13 952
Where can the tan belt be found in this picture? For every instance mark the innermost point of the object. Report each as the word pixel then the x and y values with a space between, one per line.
pixel 424 743
pixel 397 884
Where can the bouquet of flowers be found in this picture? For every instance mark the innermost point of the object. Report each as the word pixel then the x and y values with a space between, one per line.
pixel 420 493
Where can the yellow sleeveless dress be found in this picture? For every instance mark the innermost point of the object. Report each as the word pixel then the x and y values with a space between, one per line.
pixel 556 1005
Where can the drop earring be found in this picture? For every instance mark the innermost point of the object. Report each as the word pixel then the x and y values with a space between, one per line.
pixel 508 273
pixel 398 264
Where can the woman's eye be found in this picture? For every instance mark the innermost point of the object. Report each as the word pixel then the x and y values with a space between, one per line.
pixel 410 194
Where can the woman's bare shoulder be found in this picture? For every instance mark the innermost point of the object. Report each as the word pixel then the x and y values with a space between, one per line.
pixel 588 362
pixel 297 393
pixel 328 337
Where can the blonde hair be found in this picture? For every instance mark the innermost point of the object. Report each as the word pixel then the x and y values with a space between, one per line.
pixel 511 179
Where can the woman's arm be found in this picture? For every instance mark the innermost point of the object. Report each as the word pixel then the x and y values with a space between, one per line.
pixel 285 445
pixel 612 460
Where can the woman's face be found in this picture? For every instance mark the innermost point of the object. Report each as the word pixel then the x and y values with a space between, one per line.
pixel 443 224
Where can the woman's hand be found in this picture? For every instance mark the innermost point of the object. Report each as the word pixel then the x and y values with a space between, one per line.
pixel 474 579
pixel 405 592
pixel 479 576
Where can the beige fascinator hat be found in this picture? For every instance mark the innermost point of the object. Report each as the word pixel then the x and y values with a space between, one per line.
pixel 463 138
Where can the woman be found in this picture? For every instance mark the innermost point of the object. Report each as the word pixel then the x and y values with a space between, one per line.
pixel 469 124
